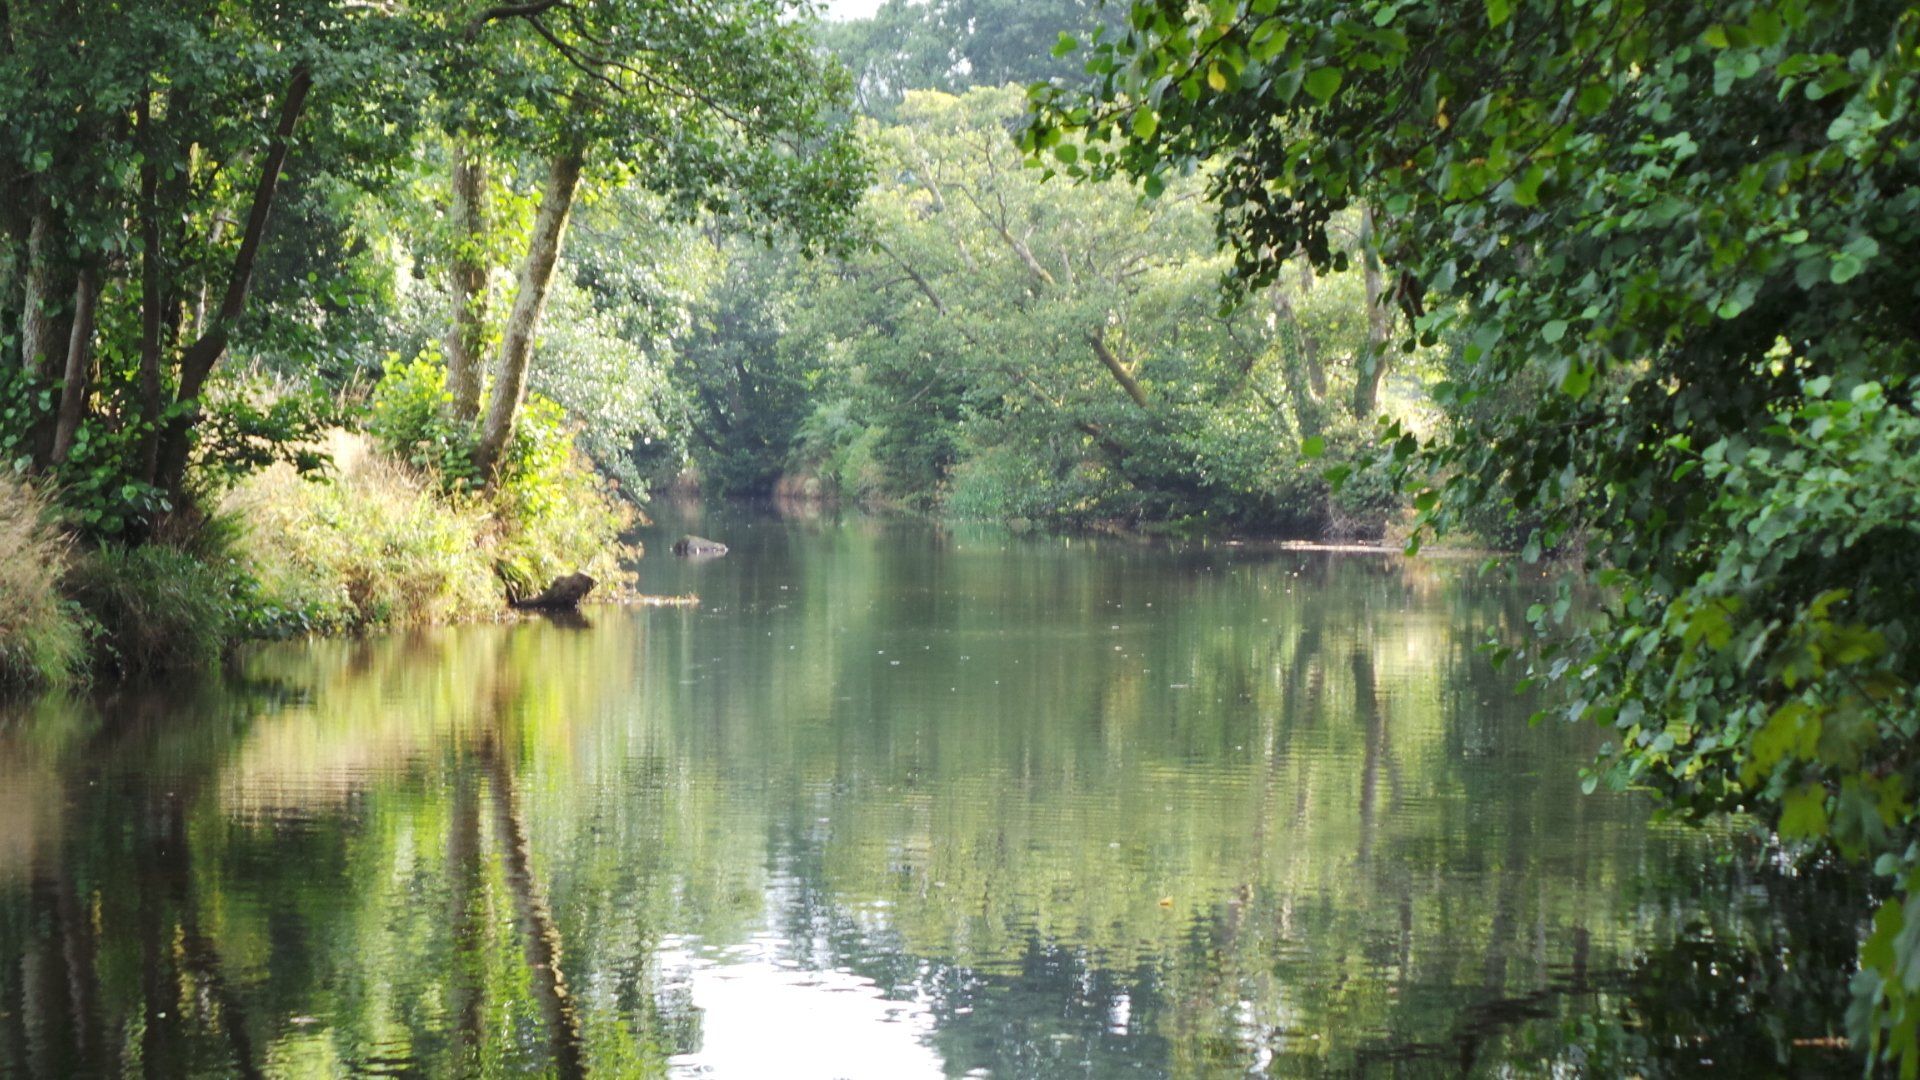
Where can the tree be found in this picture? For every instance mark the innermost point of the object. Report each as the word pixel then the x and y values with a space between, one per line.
pixel 146 150
pixel 953 45
pixel 726 108
pixel 1035 350
pixel 1692 228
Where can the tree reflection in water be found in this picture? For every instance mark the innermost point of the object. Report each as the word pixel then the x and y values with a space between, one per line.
pixel 1032 807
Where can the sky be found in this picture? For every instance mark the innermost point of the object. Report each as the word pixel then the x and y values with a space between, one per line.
pixel 850 9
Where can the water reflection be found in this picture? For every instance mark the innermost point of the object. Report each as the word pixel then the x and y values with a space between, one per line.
pixel 891 802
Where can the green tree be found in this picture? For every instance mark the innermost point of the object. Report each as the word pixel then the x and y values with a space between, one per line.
pixel 1026 349
pixel 1678 245
pixel 146 151
pixel 724 108
pixel 953 45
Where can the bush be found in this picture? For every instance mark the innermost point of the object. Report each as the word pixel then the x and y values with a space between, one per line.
pixel 408 419
pixel 40 639
pixel 554 515
pixel 840 450
pixel 549 513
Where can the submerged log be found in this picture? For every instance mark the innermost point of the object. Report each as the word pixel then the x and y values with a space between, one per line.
pixel 564 594
pixel 695 545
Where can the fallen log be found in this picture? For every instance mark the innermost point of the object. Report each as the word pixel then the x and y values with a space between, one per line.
pixel 564 594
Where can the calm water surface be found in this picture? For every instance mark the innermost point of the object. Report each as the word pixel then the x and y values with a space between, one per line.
pixel 892 802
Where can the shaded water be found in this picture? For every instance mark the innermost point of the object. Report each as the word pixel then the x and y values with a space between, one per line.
pixel 892 802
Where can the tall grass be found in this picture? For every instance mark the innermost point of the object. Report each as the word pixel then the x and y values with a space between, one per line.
pixel 374 545
pixel 381 543
pixel 41 641
pixel 156 608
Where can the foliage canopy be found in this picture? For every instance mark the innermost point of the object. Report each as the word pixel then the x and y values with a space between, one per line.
pixel 1698 223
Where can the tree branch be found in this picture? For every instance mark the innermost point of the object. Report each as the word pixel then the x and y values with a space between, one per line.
pixel 1098 339
pixel 197 362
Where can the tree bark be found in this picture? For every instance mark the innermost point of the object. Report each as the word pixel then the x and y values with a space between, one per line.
pixel 529 300
pixel 197 362
pixel 73 388
pixel 1373 358
pixel 467 339
pixel 1309 345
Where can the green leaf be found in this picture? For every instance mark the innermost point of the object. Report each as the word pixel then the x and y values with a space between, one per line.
pixel 1803 813
pixel 1145 123
pixel 1593 98
pixel 1577 381
pixel 1324 82
pixel 1498 11
pixel 1526 189
pixel 1313 447
pixel 1065 45
pixel 1554 331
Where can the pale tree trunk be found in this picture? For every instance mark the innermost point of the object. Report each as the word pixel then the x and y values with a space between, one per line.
pixel 73 389
pixel 43 338
pixel 529 300
pixel 1310 345
pixel 467 339
pixel 1373 358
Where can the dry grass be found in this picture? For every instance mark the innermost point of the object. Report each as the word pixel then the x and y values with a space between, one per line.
pixel 41 642
pixel 378 543
pixel 373 545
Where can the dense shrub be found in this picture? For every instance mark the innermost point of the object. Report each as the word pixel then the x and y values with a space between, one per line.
pixel 40 639
pixel 408 420
pixel 552 513
pixel 834 446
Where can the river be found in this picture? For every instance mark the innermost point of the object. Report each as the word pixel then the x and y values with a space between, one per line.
pixel 892 801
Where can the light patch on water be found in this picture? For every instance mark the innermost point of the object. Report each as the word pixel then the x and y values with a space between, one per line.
pixel 761 1016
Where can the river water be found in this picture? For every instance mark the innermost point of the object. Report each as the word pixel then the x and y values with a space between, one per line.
pixel 893 801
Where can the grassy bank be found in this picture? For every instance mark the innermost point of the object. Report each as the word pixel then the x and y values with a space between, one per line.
pixel 374 542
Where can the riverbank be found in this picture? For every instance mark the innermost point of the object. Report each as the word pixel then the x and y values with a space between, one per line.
pixel 371 543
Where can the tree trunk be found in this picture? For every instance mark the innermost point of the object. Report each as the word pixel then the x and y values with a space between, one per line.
pixel 529 300
pixel 152 295
pixel 43 316
pixel 197 362
pixel 1297 360
pixel 467 340
pixel 73 388
pixel 1373 358
pixel 1309 345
